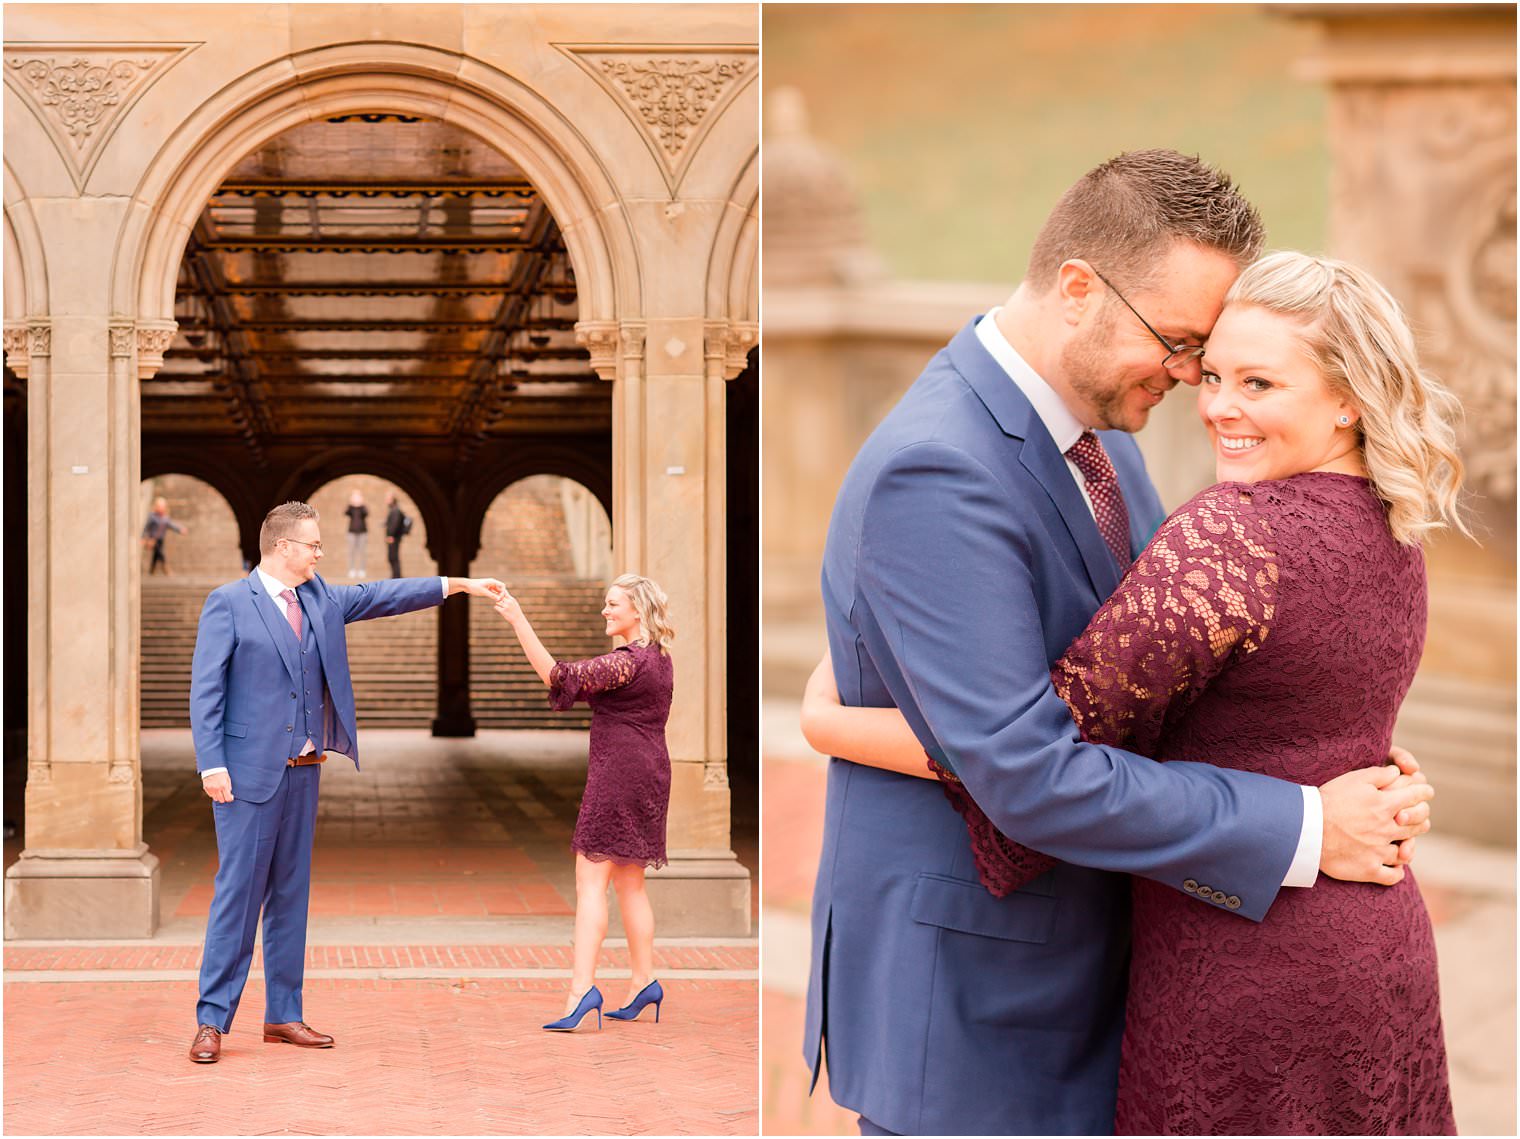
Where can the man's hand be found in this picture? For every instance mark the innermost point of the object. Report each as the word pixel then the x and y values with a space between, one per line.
pixel 1363 810
pixel 218 786
pixel 483 587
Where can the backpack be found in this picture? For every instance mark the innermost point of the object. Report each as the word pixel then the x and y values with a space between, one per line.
pixel 406 524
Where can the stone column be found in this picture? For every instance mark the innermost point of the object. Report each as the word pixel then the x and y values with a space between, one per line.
pixel 455 717
pixel 668 523
pixel 1422 132
pixel 85 871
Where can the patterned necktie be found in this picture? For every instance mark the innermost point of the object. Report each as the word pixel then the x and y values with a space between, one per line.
pixel 292 611
pixel 1107 500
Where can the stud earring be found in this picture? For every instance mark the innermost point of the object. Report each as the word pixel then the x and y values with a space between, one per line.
pixel 1345 421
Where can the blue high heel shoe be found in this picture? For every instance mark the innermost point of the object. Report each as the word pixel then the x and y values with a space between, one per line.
pixel 592 1000
pixel 650 994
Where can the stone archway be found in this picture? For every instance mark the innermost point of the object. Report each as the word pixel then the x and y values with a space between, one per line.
pixel 667 353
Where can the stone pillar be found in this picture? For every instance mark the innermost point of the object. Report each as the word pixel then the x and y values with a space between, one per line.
pixel 668 523
pixel 85 871
pixel 1422 132
pixel 455 718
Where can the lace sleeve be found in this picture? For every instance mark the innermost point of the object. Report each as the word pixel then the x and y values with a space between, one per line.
pixel 573 680
pixel 1204 588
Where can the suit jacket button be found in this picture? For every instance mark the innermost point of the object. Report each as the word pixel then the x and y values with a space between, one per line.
pixel 1233 902
pixel 292 695
pixel 289 727
pixel 1218 895
pixel 1191 885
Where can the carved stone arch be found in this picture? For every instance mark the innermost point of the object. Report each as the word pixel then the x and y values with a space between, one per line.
pixel 732 295
pixel 367 77
pixel 432 503
pixel 593 474
pixel 26 277
pixel 241 496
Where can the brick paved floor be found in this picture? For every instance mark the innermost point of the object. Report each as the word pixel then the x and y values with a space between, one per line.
pixel 1469 890
pixel 450 1057
pixel 442 901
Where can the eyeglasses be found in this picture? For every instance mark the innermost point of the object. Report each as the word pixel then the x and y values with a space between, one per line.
pixel 1178 356
pixel 317 546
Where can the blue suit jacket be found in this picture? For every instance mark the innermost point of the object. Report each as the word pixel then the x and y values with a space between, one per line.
pixel 245 672
pixel 961 561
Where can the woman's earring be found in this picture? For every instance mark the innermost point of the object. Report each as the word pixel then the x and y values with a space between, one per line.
pixel 1345 421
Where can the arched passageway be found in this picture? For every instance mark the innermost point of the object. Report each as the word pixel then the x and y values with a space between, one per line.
pixel 461 290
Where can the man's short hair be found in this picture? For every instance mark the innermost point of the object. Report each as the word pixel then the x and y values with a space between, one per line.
pixel 281 522
pixel 1123 216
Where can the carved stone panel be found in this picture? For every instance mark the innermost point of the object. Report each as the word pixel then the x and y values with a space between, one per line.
pixel 673 94
pixel 1424 196
pixel 81 92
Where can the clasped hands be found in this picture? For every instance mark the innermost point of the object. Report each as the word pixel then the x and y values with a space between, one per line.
pixel 1372 816
pixel 478 587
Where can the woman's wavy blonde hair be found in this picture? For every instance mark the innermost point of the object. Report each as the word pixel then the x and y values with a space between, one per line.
pixel 652 606
pixel 1358 338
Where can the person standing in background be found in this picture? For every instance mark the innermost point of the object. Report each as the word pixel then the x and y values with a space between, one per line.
pixel 358 533
pixel 159 524
pixel 395 530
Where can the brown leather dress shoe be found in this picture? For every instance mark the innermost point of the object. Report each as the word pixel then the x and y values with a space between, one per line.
pixel 296 1032
pixel 206 1048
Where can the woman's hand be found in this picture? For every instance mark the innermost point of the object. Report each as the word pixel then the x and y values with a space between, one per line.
pixel 510 610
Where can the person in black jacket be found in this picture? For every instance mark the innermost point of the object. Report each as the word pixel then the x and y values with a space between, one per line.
pixel 395 529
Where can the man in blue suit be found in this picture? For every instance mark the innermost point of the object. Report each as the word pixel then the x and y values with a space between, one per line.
pixel 973 538
pixel 270 699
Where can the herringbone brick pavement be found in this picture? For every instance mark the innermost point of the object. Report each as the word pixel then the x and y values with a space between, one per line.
pixel 440 1057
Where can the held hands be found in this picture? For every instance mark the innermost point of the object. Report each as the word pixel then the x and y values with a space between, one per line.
pixel 218 786
pixel 482 587
pixel 1371 818
pixel 509 608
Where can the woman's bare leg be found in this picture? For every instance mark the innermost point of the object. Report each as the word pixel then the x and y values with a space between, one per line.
pixel 590 924
pixel 638 924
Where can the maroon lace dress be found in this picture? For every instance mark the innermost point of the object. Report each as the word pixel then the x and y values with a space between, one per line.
pixel 1272 627
pixel 622 816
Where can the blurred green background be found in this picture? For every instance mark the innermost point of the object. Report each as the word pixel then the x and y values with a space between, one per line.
pixel 962 124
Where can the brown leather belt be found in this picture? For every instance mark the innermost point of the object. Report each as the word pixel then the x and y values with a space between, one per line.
pixel 307 760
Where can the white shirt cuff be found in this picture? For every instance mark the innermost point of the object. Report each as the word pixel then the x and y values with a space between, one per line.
pixel 445 585
pixel 1304 870
pixel 213 771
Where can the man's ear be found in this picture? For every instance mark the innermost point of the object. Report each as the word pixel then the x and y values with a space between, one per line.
pixel 1076 290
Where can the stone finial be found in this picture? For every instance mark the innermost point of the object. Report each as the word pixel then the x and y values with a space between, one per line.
pixel 814 229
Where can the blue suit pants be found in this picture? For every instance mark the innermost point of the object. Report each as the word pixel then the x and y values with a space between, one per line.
pixel 264 852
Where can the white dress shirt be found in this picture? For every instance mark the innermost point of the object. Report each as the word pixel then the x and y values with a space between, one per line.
pixel 273 587
pixel 1064 428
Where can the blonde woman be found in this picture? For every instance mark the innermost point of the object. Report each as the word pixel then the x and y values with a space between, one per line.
pixel 1273 624
pixel 620 830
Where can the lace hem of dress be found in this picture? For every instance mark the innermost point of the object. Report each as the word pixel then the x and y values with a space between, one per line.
pixel 1002 864
pixel 653 863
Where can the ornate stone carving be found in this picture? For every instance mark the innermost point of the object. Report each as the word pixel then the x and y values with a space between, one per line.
pixel 123 337
pixel 729 344
pixel 81 92
pixel 1441 237
pixel 15 349
pixel 616 350
pixel 673 93
pixel 39 340
pixel 153 340
pixel 600 340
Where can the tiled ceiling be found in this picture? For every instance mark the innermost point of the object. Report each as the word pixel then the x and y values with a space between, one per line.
pixel 375 276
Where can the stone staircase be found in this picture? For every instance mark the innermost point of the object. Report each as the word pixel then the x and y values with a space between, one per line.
pixel 393 660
